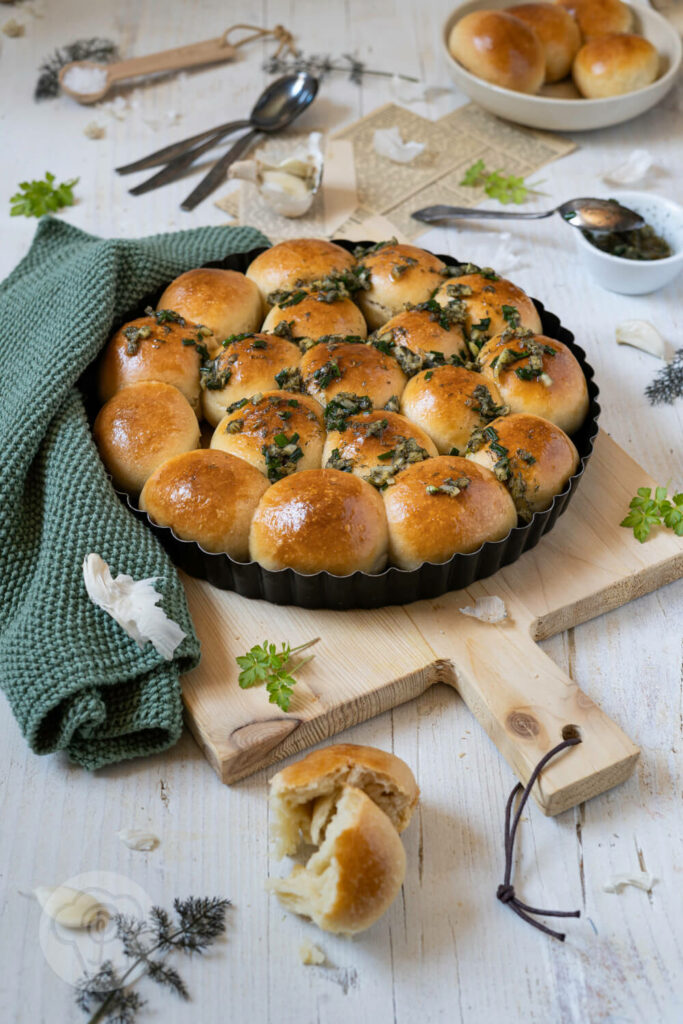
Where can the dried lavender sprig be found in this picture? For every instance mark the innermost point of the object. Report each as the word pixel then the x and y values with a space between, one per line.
pixel 322 64
pixel 667 385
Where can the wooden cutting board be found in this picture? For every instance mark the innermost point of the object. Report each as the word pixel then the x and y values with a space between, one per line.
pixel 369 661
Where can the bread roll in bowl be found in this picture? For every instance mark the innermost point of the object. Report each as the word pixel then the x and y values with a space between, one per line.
pixel 530 455
pixel 400 276
pixel 443 506
pixel 296 262
pixel 223 300
pixel 558 32
pixel 151 348
pixel 377 445
pixel 426 333
pixel 499 48
pixel 244 367
pixel 355 875
pixel 449 403
pixel 277 432
pixel 303 795
pixel 545 381
pixel 614 65
pixel 491 304
pixel 331 367
pixel 142 426
pixel 320 520
pixel 599 17
pixel 208 497
pixel 315 315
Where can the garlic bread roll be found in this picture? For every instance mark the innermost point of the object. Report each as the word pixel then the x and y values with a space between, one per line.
pixel 426 332
pixel 614 65
pixel 332 367
pixel 296 263
pixel 244 367
pixel 399 276
pixel 225 301
pixel 491 304
pixel 376 446
pixel 499 48
pixel 314 315
pixel 599 17
pixel 558 32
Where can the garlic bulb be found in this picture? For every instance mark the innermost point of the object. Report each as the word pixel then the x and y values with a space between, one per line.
pixel 290 186
pixel 71 907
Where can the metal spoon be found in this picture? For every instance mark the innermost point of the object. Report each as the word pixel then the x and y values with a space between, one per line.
pixel 277 106
pixel 587 214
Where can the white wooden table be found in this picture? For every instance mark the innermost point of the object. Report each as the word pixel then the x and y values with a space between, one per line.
pixel 447 951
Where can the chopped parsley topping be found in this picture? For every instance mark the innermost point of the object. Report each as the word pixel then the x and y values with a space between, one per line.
pixel 361 251
pixel 335 461
pixel 511 315
pixel 284 329
pixel 133 336
pixel 393 405
pixel 239 404
pixel 234 427
pixel 446 316
pixel 281 456
pixel 405 452
pixel 164 317
pixel 399 269
pixel 289 379
pixel 326 373
pixel 285 298
pixel 449 486
pixel 213 376
pixel 486 407
pixel 526 456
pixel 343 405
pixel 259 343
pixel 236 337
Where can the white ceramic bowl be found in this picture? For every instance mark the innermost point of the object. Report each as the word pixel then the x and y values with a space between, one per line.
pixel 558 106
pixel 638 277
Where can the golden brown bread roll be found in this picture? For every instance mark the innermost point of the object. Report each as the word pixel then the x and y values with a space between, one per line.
pixel 208 497
pixel 302 795
pixel 332 367
pixel 320 520
pixel 314 316
pixel 244 367
pixel 558 32
pixel 278 432
pixel 296 262
pixel 599 17
pixel 400 276
pixel 545 381
pixel 614 65
pixel 499 48
pixel 449 402
pixel 491 304
pixel 377 445
pixel 223 300
pixel 355 875
pixel 443 506
pixel 425 332
pixel 142 426
pixel 530 455
pixel 151 348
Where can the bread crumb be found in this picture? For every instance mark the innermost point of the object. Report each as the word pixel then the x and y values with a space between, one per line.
pixel 94 130
pixel 13 28
pixel 311 954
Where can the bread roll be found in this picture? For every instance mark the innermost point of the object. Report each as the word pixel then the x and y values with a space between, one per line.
pixel 332 367
pixel 320 520
pixel 443 506
pixel 208 497
pixel 297 262
pixel 425 333
pixel 558 32
pixel 245 367
pixel 614 65
pixel 278 432
pixel 449 402
pixel 400 276
pixel 377 445
pixel 140 427
pixel 530 455
pixel 302 795
pixel 599 17
pixel 547 381
pixel 355 875
pixel 491 304
pixel 223 300
pixel 315 316
pixel 151 348
pixel 499 48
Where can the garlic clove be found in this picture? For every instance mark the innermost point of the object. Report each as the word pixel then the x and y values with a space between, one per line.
pixel 638 879
pixel 138 839
pixel 487 609
pixel 70 907
pixel 286 183
pixel 645 336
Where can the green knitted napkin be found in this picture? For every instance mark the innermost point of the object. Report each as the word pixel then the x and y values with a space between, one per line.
pixel 74 679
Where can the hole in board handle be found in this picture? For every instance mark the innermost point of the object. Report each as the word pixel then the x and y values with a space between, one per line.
pixel 571 732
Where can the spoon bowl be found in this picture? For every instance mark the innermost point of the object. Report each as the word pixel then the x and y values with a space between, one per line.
pixel 85 97
pixel 282 101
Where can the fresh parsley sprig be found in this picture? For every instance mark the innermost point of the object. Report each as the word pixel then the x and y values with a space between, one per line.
pixel 647 511
pixel 265 664
pixel 36 198
pixel 506 188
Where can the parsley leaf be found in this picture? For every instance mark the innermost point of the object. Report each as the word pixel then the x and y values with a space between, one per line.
pixel 647 511
pixel 36 198
pixel 265 664
pixel 506 188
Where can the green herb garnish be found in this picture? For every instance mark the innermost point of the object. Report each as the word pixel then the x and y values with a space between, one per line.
pixel 506 188
pixel 134 335
pixel 289 379
pixel 36 198
pixel 647 511
pixel 265 664
pixel 450 486
pixel 343 405
pixel 326 373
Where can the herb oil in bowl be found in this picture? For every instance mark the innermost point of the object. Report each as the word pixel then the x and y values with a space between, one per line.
pixel 641 244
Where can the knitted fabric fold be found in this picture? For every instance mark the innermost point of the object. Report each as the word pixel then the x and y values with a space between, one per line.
pixel 73 678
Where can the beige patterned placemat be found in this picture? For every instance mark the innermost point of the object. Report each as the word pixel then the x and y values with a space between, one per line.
pixel 391 191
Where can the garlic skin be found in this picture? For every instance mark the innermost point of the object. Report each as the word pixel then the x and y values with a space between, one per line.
pixel 645 336
pixel 388 143
pixel 487 609
pixel 289 187
pixel 638 879
pixel 133 604
pixel 70 907
pixel 635 169
pixel 138 839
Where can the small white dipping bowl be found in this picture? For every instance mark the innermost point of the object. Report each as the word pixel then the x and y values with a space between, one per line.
pixel 638 277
